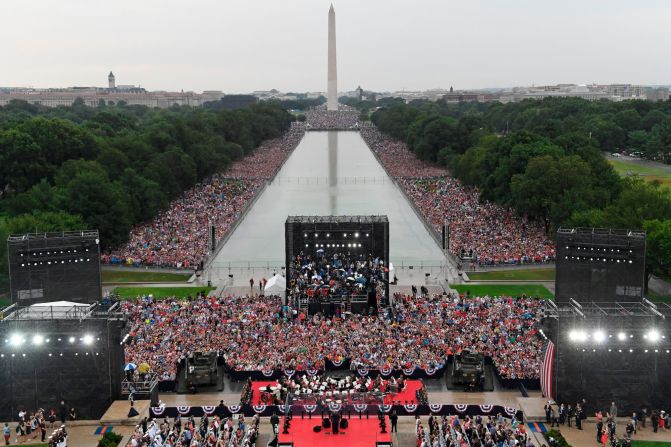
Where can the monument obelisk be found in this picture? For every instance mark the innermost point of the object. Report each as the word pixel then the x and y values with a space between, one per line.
pixel 332 91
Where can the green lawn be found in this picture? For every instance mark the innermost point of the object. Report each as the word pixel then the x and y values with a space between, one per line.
pixel 143 276
pixel 625 167
pixel 504 289
pixel 650 444
pixel 159 292
pixel 652 296
pixel 4 302
pixel 546 274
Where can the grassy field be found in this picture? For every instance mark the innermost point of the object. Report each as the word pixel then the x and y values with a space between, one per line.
pixel 650 173
pixel 4 302
pixel 652 296
pixel 504 289
pixel 546 274
pixel 143 276
pixel 650 444
pixel 159 292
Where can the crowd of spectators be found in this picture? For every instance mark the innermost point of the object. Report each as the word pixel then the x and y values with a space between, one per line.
pixel 453 431
pixel 328 273
pixel 483 231
pixel 178 236
pixel 209 432
pixel 321 119
pixel 260 334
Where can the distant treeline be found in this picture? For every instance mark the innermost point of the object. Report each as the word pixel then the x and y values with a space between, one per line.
pixel 544 158
pixel 111 167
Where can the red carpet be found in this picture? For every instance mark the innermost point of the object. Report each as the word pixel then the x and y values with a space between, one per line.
pixel 359 433
pixel 409 393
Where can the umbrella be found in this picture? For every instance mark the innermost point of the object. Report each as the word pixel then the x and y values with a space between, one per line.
pixel 144 368
pixel 130 367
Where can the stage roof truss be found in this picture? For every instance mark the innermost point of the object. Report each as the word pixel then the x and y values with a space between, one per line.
pixel 614 309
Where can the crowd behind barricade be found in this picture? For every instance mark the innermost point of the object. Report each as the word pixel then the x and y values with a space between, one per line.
pixel 478 431
pixel 484 231
pixel 177 237
pixel 211 431
pixel 321 119
pixel 341 274
pixel 260 334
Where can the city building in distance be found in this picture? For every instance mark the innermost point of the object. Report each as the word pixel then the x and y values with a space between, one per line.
pixel 112 94
pixel 592 92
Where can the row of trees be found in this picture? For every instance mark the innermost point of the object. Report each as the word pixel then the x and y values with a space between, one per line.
pixel 544 158
pixel 112 167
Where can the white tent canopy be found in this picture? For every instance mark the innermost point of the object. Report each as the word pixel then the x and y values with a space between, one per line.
pixel 276 285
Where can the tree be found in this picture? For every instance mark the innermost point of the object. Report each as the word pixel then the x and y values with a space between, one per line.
pixel 658 248
pixel 638 202
pixel 22 162
pixel 551 189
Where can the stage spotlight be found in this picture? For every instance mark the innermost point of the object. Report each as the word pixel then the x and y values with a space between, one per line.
pixel 16 340
pixel 356 234
pixel 316 234
pixel 653 335
pixel 87 339
pixel 599 336
pixel 578 335
pixel 38 339
pixel 328 234
pixel 621 336
pixel 71 339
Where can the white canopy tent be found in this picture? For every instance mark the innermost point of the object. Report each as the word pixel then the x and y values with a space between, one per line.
pixel 276 285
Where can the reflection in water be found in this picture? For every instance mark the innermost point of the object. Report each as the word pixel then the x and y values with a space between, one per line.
pixel 356 184
pixel 333 172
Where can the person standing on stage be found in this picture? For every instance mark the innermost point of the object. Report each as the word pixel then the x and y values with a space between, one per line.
pixel 394 420
pixel 251 283
pixel 335 422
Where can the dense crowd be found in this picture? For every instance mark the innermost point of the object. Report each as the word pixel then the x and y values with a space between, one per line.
pixel 209 432
pixel 452 431
pixel 322 119
pixel 260 334
pixel 484 231
pixel 334 273
pixel 178 236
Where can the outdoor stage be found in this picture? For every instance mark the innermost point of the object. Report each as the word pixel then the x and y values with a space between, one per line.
pixel 359 433
pixel 407 396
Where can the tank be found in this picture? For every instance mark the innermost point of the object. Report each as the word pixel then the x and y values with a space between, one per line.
pixel 201 369
pixel 469 369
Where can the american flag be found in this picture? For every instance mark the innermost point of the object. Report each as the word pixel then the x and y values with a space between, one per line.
pixel 547 371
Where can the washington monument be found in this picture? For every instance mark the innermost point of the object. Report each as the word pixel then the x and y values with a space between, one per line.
pixel 332 92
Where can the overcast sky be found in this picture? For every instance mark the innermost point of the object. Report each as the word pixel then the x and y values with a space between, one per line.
pixel 245 45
